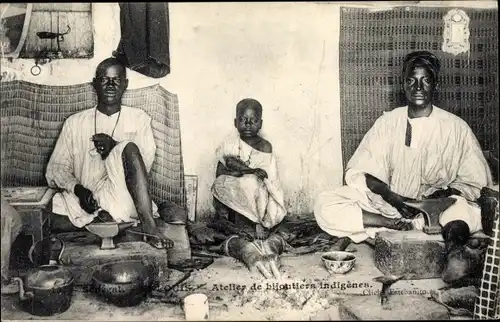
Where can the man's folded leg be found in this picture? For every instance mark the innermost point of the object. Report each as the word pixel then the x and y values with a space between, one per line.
pixel 66 204
pixel 125 193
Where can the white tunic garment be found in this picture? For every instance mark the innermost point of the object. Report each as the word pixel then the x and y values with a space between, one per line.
pixel 444 153
pixel 75 160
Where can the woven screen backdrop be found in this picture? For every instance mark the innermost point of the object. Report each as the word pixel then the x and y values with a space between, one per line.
pixel 487 305
pixel 32 117
pixel 372 49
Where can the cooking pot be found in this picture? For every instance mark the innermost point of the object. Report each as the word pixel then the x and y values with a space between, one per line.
pixel 47 289
pixel 125 283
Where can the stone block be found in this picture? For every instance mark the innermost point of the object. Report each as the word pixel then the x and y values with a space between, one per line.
pixel 411 253
pixel 404 307
pixel 83 259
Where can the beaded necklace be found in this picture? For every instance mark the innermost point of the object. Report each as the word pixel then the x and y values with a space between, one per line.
pixel 247 162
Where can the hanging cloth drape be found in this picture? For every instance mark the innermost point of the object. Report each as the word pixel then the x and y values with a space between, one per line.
pixel 144 43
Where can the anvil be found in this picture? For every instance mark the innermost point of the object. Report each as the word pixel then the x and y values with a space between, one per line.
pixel 432 209
pixel 387 281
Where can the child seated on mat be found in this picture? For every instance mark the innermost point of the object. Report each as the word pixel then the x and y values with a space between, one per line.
pixel 247 187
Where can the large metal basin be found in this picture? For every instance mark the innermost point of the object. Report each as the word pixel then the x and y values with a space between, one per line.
pixel 125 283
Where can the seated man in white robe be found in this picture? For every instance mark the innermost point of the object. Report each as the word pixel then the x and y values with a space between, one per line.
pixel 102 158
pixel 416 152
pixel 247 186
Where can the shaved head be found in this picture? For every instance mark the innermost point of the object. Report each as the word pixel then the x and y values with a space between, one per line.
pixel 249 103
pixel 108 62
pixel 110 82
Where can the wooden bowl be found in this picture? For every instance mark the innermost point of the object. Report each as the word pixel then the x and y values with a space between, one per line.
pixel 338 262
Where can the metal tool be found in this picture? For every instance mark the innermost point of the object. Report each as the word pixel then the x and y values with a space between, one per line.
pixel 432 209
pixel 182 279
pixel 108 230
pixel 54 35
pixel 387 281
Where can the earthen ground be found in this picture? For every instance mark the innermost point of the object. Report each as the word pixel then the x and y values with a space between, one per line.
pixel 228 285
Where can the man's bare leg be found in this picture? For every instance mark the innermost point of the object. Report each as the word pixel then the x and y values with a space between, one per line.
pixel 136 178
pixel 375 220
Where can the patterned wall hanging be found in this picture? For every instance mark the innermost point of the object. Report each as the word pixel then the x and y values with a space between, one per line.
pixel 373 46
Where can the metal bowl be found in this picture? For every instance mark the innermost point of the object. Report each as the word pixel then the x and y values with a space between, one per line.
pixel 125 283
pixel 338 262
pixel 46 290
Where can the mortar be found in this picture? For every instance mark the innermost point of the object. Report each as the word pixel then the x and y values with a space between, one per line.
pixel 108 230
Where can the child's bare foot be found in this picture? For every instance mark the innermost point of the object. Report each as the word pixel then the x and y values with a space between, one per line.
pixel 261 232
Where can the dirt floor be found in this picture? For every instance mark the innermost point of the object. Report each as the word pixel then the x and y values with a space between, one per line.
pixel 308 292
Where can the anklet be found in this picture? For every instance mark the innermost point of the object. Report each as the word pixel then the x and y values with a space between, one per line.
pixel 226 246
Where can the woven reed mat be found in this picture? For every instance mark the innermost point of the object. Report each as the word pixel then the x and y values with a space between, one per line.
pixel 372 48
pixel 487 306
pixel 32 116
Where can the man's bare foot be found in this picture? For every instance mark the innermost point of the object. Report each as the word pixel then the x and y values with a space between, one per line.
pixel 400 224
pixel 156 239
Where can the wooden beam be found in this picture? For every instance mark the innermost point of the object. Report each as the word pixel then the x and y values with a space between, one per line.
pixel 66 7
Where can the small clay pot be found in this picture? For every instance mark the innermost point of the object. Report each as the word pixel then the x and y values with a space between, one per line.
pixel 338 262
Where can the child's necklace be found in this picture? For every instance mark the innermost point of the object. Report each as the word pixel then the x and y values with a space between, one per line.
pixel 247 162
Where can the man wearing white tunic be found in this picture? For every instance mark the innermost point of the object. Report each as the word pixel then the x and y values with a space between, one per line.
pixel 102 158
pixel 414 152
pixel 247 176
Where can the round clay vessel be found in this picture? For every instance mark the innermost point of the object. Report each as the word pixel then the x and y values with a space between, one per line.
pixel 338 262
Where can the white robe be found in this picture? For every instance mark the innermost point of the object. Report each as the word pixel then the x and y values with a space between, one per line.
pixel 75 160
pixel 444 153
pixel 260 201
